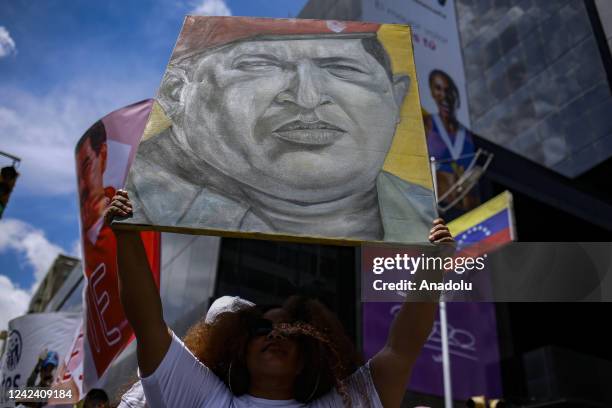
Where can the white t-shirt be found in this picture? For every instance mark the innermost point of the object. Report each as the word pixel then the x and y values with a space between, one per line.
pixel 182 381
pixel 134 397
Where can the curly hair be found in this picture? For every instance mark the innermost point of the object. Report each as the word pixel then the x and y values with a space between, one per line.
pixel 328 353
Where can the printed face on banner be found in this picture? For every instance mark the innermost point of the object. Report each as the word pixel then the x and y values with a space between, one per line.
pixel 449 141
pixel 445 94
pixel 289 127
pixel 105 322
pixel 102 156
pixel 91 163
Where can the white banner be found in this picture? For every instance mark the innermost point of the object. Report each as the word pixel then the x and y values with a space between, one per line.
pixel 36 345
pixel 436 43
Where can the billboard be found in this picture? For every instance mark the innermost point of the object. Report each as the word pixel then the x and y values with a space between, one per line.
pixel 287 129
pixel 442 86
pixel 436 43
pixel 473 349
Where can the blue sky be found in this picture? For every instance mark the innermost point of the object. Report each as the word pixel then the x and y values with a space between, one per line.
pixel 65 64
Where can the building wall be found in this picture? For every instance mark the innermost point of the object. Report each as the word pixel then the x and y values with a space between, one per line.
pixel 54 279
pixel 69 297
pixel 604 7
pixel 536 81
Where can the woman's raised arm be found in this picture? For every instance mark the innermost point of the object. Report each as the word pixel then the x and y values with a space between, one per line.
pixel 138 292
pixel 391 366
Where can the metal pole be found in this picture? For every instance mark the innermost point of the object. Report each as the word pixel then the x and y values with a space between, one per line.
pixel 10 156
pixel 448 391
pixel 446 376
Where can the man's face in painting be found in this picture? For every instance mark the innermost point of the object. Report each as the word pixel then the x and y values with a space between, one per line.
pixel 90 167
pixel 307 120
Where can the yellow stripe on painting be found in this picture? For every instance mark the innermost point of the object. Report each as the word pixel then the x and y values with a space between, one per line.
pixel 409 143
pixel 481 213
pixel 157 123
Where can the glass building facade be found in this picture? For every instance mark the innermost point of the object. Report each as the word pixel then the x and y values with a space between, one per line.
pixel 537 74
pixel 536 80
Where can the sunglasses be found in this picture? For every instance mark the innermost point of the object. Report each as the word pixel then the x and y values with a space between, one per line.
pixel 261 327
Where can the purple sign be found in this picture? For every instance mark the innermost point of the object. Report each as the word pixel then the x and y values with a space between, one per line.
pixel 473 348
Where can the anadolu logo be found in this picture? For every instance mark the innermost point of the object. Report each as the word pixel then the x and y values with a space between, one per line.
pixel 13 350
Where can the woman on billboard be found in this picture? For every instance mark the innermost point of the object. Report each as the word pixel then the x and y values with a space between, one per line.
pixel 448 141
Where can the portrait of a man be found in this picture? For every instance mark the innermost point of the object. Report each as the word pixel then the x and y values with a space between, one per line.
pixel 283 127
pixel 91 157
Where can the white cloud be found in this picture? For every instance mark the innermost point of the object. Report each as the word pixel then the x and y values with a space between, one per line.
pixel 76 249
pixel 7 44
pixel 43 129
pixel 13 301
pixel 212 8
pixel 31 244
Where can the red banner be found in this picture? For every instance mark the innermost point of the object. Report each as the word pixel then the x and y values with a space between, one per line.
pixel 103 157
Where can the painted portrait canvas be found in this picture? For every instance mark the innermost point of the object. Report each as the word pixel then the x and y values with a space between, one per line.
pixel 286 129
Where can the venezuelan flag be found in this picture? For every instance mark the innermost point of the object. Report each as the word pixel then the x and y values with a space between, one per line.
pixel 489 225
